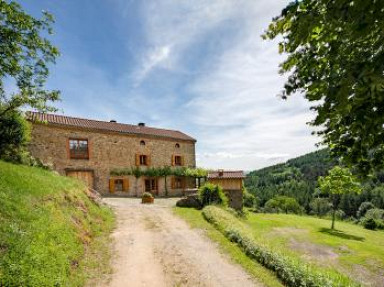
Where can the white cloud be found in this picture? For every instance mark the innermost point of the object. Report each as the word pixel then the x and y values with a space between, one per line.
pixel 153 59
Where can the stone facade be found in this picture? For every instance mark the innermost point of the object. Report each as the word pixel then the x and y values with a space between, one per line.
pixel 108 151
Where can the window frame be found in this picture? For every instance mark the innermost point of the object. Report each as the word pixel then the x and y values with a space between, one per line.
pixel 178 160
pixel 72 155
pixel 144 161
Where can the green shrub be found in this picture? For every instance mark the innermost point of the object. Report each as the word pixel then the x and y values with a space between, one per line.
pixel 375 213
pixel 14 135
pixel 320 206
pixel 364 207
pixel 283 204
pixel 147 195
pixel 249 200
pixel 369 223
pixel 212 194
pixel 291 272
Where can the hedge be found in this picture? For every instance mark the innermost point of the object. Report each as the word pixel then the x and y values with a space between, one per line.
pixel 291 272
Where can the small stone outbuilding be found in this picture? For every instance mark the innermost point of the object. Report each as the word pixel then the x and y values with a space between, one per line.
pixel 232 184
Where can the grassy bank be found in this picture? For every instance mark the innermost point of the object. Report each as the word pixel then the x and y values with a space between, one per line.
pixel 350 249
pixel 51 234
pixel 196 220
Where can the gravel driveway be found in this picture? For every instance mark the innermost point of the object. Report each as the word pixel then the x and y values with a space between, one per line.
pixel 155 248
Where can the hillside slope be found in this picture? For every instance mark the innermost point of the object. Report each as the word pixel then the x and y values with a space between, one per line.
pixel 298 178
pixel 51 234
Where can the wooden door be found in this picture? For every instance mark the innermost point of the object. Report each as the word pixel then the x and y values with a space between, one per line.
pixel 85 176
pixel 150 185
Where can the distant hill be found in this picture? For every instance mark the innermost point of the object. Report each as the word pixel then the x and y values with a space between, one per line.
pixel 298 178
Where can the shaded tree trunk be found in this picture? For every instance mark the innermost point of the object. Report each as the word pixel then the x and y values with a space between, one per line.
pixel 166 188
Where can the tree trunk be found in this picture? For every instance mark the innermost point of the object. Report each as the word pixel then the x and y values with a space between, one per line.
pixel 166 188
pixel 333 219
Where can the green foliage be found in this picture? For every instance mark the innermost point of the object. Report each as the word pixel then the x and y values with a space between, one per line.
pixel 249 200
pixel 335 54
pixel 291 272
pixel 298 178
pixel 375 213
pixel 320 206
pixel 196 172
pixel 49 229
pixel 212 194
pixel 339 181
pixel 364 207
pixel 283 204
pixel 25 55
pixel 161 171
pixel 14 135
pixel 147 195
pixel 369 223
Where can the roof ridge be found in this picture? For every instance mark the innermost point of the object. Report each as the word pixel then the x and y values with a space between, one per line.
pixel 113 125
pixel 100 121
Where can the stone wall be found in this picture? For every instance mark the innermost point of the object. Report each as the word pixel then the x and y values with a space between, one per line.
pixel 235 198
pixel 108 151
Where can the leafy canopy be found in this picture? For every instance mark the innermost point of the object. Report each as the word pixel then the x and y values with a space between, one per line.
pixel 335 58
pixel 339 181
pixel 25 55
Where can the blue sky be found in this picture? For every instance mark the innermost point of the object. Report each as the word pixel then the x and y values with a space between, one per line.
pixel 196 66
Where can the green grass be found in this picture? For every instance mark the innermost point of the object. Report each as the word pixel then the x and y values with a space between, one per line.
pixel 357 252
pixel 196 220
pixel 51 234
pixel 350 250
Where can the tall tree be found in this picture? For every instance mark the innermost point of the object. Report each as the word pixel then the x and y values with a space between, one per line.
pixel 25 55
pixel 335 52
pixel 339 181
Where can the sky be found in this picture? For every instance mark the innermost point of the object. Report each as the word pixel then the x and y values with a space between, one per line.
pixel 200 67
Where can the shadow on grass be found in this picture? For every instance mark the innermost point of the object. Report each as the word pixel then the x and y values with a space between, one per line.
pixel 341 234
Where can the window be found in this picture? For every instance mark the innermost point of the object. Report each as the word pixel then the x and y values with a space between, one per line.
pixel 142 142
pixel 118 184
pixel 178 182
pixel 178 160
pixel 151 185
pixel 143 160
pixel 177 145
pixel 78 149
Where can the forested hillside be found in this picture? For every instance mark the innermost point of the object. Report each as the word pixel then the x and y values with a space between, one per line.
pixel 298 178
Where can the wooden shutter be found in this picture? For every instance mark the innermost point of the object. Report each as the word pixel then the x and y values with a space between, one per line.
pixel 125 184
pixel 149 160
pixel 173 160
pixel 182 160
pixel 173 182
pixel 137 160
pixel 111 185
pixel 183 182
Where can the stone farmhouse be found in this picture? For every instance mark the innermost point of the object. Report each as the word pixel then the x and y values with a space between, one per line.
pixel 91 149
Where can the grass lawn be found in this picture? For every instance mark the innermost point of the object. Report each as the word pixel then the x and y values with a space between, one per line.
pixel 196 220
pixel 350 249
pixel 51 233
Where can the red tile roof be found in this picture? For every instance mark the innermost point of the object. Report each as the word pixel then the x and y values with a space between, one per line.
pixel 226 174
pixel 107 126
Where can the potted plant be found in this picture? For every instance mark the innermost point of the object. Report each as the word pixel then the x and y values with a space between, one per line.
pixel 147 197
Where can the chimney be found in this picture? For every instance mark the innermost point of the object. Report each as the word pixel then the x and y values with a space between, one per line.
pixel 221 172
pixel 141 124
pixel 112 121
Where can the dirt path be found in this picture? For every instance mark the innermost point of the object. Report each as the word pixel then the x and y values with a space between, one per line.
pixel 154 248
